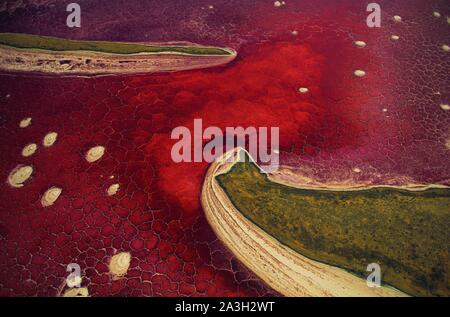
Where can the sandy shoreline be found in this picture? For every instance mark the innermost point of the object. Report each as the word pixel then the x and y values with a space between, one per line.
pixel 291 177
pixel 283 269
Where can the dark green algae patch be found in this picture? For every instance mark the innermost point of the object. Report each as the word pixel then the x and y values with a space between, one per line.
pixel 29 41
pixel 406 232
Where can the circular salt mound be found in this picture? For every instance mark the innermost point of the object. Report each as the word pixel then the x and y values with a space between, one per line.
pixel 25 122
pixel 50 196
pixel 29 149
pixel 397 18
pixel 50 139
pixel 119 264
pixel 20 175
pixel 356 170
pixel 360 44
pixel 95 153
pixel 303 90
pixel 113 189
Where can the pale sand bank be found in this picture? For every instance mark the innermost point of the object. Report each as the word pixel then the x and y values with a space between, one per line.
pixel 96 63
pixel 280 267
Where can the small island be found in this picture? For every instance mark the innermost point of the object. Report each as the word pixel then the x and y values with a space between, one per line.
pixel 51 55
pixel 292 237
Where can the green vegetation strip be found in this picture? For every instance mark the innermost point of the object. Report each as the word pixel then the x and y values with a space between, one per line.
pixel 28 41
pixel 405 232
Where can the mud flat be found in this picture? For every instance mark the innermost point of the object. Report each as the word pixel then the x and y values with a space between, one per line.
pixel 49 55
pixel 285 270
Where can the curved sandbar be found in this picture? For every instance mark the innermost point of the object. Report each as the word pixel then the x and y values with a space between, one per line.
pixel 283 269
pixel 50 55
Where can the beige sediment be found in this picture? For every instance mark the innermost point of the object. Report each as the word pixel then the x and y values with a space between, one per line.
pixel 292 177
pixel 280 267
pixel 50 139
pixel 98 63
pixel 50 196
pixel 19 175
pixel 397 18
pixel 360 44
pixel 77 292
pixel 25 122
pixel 359 73
pixel 303 90
pixel 119 264
pixel 95 153
pixel 113 189
pixel 29 149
